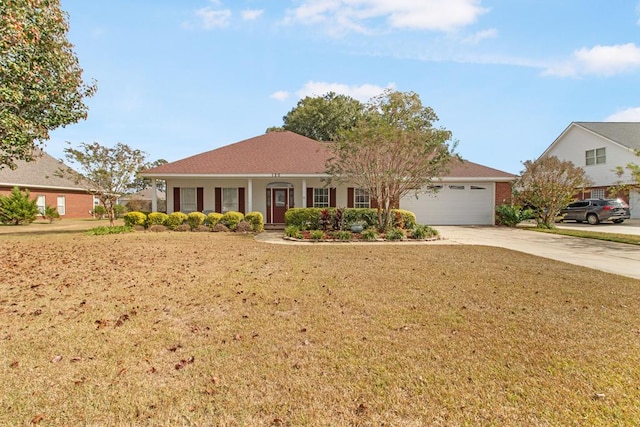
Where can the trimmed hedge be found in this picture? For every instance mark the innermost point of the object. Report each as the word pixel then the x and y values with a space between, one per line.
pixel 132 219
pixel 213 218
pixel 175 219
pixel 231 219
pixel 195 219
pixel 303 218
pixel 310 218
pixel 256 220
pixel 156 218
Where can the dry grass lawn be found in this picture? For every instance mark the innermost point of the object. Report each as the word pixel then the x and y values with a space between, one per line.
pixel 217 329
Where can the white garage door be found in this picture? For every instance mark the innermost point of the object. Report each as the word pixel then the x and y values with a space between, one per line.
pixel 464 203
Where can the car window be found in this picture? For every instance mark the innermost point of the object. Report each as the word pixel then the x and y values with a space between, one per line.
pixel 578 204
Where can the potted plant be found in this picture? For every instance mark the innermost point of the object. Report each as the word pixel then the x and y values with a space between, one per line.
pixel 357 226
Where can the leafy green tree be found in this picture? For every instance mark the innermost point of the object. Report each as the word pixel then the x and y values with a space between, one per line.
pixel 107 172
pixel 140 183
pixel 392 150
pixel 41 86
pixel 547 185
pixel 625 185
pixel 18 208
pixel 321 117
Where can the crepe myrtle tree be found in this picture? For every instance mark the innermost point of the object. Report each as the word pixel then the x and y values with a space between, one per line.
pixel 41 85
pixel 624 184
pixel 547 185
pixel 392 150
pixel 107 172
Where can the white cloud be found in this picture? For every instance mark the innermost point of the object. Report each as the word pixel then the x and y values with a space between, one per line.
pixel 281 95
pixel 628 115
pixel 251 14
pixel 599 60
pixel 476 38
pixel 211 18
pixel 354 15
pixel 361 93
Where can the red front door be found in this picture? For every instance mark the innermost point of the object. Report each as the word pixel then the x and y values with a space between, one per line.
pixel 279 204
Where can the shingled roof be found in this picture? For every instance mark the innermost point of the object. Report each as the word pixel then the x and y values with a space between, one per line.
pixel 624 133
pixel 282 152
pixel 274 152
pixel 40 173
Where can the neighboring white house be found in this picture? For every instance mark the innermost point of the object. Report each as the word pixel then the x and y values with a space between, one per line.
pixel 280 170
pixel 600 147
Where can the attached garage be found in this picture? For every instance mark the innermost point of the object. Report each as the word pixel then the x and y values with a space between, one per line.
pixel 468 195
pixel 459 203
pixel 634 204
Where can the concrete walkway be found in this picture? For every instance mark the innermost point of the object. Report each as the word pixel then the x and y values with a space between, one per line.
pixel 616 258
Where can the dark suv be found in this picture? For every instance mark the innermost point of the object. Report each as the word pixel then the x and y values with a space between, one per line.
pixel 595 210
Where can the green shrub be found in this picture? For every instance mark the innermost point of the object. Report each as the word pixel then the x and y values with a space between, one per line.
pixel 51 213
pixel 293 231
pixel 118 229
pixel 135 218
pixel 195 219
pixel 512 215
pixel 303 218
pixel 99 211
pixel 369 234
pixel 343 235
pixel 17 208
pixel 157 218
pixel 395 234
pixel 119 210
pixel 403 219
pixel 316 234
pixel 175 219
pixel 423 232
pixel 367 216
pixel 231 219
pixel 256 220
pixel 213 218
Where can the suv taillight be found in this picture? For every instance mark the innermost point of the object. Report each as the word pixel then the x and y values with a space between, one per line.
pixel 607 208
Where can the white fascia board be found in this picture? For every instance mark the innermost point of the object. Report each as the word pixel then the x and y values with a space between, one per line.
pixel 473 179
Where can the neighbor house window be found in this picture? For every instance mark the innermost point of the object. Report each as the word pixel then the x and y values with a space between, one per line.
pixel 361 198
pixel 597 156
pixel 41 202
pixel 61 205
pixel 597 193
pixel 320 197
pixel 230 200
pixel 188 201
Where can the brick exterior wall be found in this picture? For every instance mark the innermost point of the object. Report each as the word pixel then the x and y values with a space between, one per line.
pixel 588 194
pixel 503 193
pixel 78 204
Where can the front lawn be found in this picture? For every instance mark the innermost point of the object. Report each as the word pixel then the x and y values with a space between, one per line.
pixel 610 237
pixel 218 329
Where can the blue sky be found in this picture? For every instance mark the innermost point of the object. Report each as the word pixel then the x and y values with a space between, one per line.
pixel 177 78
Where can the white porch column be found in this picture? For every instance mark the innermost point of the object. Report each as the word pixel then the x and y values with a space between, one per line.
pixel 250 195
pixel 154 196
pixel 304 193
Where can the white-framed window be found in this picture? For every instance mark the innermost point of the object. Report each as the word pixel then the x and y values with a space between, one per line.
pixel 361 198
pixel 188 201
pixel 596 156
pixel 61 205
pixel 320 197
pixel 597 193
pixel 41 202
pixel 230 200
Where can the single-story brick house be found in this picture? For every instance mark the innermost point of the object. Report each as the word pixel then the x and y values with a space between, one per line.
pixel 39 177
pixel 600 147
pixel 276 171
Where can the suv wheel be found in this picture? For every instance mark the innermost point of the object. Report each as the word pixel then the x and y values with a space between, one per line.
pixel 593 219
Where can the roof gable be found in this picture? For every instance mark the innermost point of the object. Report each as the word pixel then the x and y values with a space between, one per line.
pixel 41 172
pixel 623 134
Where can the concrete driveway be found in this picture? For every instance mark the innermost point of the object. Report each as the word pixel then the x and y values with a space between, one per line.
pixel 616 258
pixel 629 226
